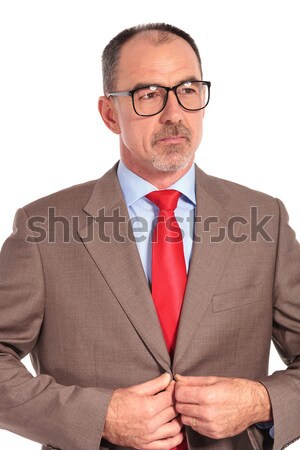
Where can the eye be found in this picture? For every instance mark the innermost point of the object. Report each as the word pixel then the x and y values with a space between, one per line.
pixel 148 93
pixel 188 91
pixel 188 88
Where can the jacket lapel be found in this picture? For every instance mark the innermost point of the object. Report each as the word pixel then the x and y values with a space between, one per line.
pixel 115 253
pixel 118 260
pixel 208 258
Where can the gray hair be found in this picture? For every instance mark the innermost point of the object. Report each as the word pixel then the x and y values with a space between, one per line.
pixel 111 53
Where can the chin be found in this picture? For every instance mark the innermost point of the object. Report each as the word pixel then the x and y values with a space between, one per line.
pixel 172 163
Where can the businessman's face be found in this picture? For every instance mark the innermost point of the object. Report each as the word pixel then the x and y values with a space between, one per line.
pixel 165 142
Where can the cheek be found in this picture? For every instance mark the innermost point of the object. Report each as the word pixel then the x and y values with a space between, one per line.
pixel 136 134
pixel 196 126
pixel 129 130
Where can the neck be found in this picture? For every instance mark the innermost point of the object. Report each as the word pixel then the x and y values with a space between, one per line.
pixel 159 179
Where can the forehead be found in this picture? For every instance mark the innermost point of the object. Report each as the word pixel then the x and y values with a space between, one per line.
pixel 142 59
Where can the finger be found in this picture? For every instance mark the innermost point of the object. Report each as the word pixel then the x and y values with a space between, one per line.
pixel 189 394
pixel 191 421
pixel 197 381
pixel 165 444
pixel 153 386
pixel 171 389
pixel 158 403
pixel 171 386
pixel 188 409
pixel 164 417
pixel 206 428
pixel 168 430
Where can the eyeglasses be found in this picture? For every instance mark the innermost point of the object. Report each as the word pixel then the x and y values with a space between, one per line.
pixel 151 100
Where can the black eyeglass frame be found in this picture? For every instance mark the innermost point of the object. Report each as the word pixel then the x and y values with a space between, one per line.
pixel 168 89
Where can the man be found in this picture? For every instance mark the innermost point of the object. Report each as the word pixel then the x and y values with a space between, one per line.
pixel 89 293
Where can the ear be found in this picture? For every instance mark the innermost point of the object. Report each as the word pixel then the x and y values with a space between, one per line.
pixel 108 113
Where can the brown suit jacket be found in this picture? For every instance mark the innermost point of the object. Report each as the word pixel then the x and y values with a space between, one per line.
pixel 82 308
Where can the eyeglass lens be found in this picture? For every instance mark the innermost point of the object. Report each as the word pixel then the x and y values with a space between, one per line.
pixel 192 95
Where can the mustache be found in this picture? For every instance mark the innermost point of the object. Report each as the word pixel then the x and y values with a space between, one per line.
pixel 169 131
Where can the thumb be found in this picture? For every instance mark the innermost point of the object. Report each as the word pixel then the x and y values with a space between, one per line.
pixel 171 386
pixel 196 381
pixel 153 386
pixel 171 389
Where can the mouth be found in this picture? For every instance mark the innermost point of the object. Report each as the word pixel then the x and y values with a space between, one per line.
pixel 173 140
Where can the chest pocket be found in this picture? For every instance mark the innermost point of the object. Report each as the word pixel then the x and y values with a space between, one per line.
pixel 237 298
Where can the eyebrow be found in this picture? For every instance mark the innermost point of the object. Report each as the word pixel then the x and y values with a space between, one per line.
pixel 145 84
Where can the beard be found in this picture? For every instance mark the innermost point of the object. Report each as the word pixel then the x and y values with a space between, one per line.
pixel 172 157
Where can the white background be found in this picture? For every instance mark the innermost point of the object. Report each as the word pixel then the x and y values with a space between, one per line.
pixel 52 137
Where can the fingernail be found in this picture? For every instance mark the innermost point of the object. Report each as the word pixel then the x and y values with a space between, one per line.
pixel 167 373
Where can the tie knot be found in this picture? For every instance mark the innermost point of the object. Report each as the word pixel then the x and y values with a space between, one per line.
pixel 164 199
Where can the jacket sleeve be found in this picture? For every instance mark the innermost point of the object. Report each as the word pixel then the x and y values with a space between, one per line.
pixel 284 386
pixel 38 408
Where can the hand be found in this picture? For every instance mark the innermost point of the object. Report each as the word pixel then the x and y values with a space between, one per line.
pixel 144 416
pixel 221 407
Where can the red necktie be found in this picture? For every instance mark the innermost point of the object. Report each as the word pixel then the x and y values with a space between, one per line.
pixel 168 265
pixel 168 269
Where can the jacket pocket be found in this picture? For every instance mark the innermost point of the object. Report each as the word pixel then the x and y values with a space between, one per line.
pixel 237 298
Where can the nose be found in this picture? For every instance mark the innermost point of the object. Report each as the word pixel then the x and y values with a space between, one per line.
pixel 172 112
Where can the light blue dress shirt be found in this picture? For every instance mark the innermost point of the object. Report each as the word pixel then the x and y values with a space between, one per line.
pixel 142 213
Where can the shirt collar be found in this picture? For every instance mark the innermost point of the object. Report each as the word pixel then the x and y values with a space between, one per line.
pixel 134 187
